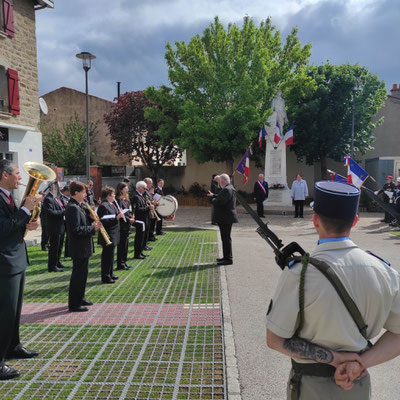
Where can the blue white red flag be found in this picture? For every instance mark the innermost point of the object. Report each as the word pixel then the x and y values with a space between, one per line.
pixel 337 177
pixel 356 175
pixel 289 136
pixel 244 166
pixel 277 137
pixel 261 135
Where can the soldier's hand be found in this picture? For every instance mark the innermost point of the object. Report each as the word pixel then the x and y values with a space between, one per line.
pixel 343 357
pixel 347 373
pixel 31 226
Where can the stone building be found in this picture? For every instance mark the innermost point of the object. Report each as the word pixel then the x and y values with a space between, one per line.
pixel 64 103
pixel 20 138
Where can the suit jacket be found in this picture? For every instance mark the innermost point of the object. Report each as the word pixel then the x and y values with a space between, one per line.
pixel 225 206
pixel 13 254
pixel 159 191
pixel 111 225
pixel 64 200
pixel 124 204
pixel 139 206
pixel 259 193
pixel 80 231
pixel 54 215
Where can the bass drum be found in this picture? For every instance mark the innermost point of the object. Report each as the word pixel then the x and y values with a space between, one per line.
pixel 167 207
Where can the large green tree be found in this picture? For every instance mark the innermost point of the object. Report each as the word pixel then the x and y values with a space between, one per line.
pixel 223 83
pixel 135 135
pixel 323 117
pixel 66 147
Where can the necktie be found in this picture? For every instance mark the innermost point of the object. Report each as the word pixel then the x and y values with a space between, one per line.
pixel 11 201
pixel 59 202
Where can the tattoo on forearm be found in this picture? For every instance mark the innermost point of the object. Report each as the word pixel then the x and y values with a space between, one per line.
pixel 307 350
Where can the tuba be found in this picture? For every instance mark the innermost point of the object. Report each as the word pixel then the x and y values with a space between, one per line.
pixel 38 173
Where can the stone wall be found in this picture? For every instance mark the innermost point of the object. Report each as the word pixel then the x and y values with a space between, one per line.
pixel 19 53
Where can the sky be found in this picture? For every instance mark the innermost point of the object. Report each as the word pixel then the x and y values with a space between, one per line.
pixel 128 37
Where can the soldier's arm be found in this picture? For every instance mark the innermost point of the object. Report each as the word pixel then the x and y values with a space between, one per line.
pixel 295 347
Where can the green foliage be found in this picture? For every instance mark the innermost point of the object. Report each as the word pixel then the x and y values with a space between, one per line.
pixel 322 117
pixel 67 147
pixel 223 83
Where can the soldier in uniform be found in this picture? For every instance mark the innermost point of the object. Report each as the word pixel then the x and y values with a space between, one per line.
pixel 310 322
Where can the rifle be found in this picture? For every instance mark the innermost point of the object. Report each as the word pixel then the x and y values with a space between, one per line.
pixel 283 254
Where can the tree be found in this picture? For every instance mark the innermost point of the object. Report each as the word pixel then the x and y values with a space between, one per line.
pixel 67 147
pixel 223 84
pixel 135 135
pixel 323 117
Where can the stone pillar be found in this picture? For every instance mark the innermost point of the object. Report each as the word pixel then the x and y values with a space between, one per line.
pixel 96 176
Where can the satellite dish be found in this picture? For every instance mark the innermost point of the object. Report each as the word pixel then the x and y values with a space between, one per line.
pixel 43 106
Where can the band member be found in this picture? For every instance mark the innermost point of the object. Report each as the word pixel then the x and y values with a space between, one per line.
pixel 141 210
pixel 80 236
pixel 44 242
pixel 148 195
pixel 13 261
pixel 160 191
pixel 110 217
pixel 90 194
pixel 55 215
pixel 65 197
pixel 124 204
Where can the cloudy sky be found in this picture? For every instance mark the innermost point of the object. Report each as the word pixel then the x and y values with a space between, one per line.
pixel 128 37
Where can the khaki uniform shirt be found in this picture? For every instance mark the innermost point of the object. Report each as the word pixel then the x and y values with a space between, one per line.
pixel 371 283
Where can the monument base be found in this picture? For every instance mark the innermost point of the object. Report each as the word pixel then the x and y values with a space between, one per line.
pixel 279 197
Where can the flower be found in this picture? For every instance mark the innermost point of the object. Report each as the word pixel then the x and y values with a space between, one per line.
pixel 277 186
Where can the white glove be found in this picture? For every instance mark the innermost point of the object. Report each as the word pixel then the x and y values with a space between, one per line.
pixel 376 193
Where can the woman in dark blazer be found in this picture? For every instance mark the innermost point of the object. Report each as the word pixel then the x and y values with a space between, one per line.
pixel 80 236
pixel 109 216
pixel 122 198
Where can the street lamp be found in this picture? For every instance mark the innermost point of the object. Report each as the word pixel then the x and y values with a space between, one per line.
pixel 355 89
pixel 87 58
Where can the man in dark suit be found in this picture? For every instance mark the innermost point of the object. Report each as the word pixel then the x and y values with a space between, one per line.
pixel 141 210
pixel 90 194
pixel 55 213
pixel 13 261
pixel 80 236
pixel 65 198
pixel 148 195
pixel 160 191
pixel 260 194
pixel 225 215
pixel 109 216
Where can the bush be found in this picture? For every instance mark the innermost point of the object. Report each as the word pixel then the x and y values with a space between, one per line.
pixel 196 190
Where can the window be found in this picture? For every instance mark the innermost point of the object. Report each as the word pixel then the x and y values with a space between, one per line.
pixel 7 17
pixel 9 91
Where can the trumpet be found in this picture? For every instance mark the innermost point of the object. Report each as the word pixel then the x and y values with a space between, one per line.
pixel 153 213
pixel 95 217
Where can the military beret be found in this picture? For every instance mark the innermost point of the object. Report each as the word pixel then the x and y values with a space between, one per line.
pixel 336 200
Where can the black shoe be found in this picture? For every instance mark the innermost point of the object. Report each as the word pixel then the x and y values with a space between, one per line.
pixel 21 352
pixel 55 269
pixel 152 239
pixel 78 309
pixel 85 302
pixel 108 280
pixel 140 257
pixel 127 266
pixel 225 262
pixel 122 268
pixel 147 248
pixel 62 266
pixel 7 372
pixel 296 216
pixel 262 216
pixel 220 259
pixel 44 248
pixel 115 277
pixel 160 233
pixel 301 216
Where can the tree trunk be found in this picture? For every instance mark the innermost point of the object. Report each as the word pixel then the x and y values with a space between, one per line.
pixel 324 172
pixel 229 167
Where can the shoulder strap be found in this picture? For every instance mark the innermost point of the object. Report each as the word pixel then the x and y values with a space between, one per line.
pixel 350 305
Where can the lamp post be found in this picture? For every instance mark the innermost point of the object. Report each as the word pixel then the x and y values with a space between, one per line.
pixel 355 89
pixel 87 58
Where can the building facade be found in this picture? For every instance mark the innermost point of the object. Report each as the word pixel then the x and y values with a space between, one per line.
pixel 20 137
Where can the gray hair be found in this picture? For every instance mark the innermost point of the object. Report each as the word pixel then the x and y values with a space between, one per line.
pixel 225 178
pixel 6 166
pixel 141 184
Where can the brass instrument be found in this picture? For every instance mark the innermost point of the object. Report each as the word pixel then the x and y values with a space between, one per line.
pixel 153 213
pixel 38 173
pixel 95 218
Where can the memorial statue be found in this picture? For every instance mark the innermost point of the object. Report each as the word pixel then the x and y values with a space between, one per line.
pixel 278 114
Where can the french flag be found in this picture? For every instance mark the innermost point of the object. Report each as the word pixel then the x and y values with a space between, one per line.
pixel 356 175
pixel 244 166
pixel 289 136
pixel 261 136
pixel 277 137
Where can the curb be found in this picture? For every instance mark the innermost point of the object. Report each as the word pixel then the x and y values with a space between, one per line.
pixel 232 372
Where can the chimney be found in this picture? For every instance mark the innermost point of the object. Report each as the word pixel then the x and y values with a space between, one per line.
pixel 119 89
pixel 395 90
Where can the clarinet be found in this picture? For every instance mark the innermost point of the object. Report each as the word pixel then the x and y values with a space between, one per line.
pixel 95 217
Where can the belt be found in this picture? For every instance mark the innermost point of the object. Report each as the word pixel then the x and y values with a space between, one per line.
pixel 314 369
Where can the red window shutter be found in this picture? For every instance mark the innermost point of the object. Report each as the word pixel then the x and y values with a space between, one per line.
pixel 13 91
pixel 8 12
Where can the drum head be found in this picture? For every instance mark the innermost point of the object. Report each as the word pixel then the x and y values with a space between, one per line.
pixel 167 206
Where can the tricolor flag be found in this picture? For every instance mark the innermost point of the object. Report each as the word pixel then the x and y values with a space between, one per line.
pixel 261 135
pixel 289 136
pixel 356 175
pixel 244 166
pixel 337 177
pixel 277 137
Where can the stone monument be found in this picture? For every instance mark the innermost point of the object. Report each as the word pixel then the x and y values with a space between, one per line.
pixel 275 155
